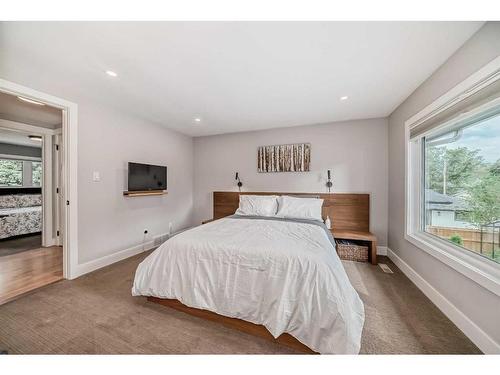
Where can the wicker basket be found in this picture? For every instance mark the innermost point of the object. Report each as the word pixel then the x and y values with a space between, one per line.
pixel 352 251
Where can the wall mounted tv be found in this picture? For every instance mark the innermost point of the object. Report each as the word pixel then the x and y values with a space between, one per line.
pixel 146 177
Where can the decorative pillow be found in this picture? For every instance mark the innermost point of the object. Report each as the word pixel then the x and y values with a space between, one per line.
pixel 300 208
pixel 257 205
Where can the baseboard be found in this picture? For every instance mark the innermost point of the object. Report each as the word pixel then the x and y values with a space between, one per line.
pixel 107 260
pixel 482 340
pixel 381 250
pixel 93 265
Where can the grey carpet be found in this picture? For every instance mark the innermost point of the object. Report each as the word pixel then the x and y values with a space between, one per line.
pixel 97 314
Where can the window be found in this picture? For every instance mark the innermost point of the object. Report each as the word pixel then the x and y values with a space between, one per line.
pixel 452 165
pixel 11 173
pixel 20 173
pixel 36 173
pixel 462 216
pixel 462 185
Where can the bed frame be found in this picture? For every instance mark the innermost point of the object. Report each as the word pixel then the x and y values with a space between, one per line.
pixel 348 212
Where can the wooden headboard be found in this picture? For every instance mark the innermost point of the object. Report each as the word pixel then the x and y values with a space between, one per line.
pixel 347 211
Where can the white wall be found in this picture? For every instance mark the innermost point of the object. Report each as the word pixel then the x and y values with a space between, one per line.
pixel 355 151
pixel 108 222
pixel 478 305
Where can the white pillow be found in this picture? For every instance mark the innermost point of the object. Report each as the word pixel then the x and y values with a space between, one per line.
pixel 300 208
pixel 258 205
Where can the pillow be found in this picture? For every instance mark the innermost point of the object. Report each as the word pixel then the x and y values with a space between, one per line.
pixel 300 208
pixel 257 205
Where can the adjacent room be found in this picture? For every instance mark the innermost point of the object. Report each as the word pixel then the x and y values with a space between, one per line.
pixel 250 187
pixel 31 254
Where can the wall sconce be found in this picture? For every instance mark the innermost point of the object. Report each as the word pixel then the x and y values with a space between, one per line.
pixel 329 183
pixel 240 184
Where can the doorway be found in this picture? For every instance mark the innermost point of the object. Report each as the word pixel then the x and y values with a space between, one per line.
pixel 33 213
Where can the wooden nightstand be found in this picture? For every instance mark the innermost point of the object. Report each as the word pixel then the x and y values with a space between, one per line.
pixel 359 236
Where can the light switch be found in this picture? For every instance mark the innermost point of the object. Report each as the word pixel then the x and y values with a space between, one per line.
pixel 96 176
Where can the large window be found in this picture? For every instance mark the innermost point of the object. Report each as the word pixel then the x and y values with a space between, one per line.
pixel 462 185
pixel 452 178
pixel 20 173
pixel 11 173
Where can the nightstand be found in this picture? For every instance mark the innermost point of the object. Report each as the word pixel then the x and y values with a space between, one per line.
pixel 359 236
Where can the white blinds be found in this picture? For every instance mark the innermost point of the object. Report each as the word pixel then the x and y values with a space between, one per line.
pixel 458 109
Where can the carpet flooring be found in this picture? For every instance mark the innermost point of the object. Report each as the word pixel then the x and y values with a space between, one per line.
pixel 97 314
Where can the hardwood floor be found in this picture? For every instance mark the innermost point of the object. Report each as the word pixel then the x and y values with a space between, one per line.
pixel 28 270
pixel 19 244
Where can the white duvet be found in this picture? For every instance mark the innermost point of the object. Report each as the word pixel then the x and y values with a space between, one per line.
pixel 281 274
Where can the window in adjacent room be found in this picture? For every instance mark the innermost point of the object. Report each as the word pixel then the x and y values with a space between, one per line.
pixel 20 173
pixel 36 173
pixel 11 173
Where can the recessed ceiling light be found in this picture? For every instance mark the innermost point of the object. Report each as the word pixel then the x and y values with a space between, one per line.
pixel 35 137
pixel 197 119
pixel 29 101
pixel 344 97
pixel 111 73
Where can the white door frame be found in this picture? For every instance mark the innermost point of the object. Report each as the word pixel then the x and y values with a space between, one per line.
pixel 46 183
pixel 69 169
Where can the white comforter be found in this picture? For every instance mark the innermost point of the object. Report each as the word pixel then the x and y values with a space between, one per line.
pixel 283 275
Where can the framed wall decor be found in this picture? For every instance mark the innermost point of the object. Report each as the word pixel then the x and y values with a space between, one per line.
pixel 284 158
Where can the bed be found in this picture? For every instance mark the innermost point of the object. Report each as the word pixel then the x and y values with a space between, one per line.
pixel 20 214
pixel 280 274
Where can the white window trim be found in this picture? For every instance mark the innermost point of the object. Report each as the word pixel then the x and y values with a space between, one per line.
pixel 27 173
pixel 483 271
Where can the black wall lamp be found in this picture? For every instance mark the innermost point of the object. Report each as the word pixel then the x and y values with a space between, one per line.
pixel 240 184
pixel 329 183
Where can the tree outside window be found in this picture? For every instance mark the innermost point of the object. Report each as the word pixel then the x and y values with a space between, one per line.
pixel 11 173
pixel 36 173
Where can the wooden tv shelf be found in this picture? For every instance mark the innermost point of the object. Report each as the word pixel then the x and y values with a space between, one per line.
pixel 144 193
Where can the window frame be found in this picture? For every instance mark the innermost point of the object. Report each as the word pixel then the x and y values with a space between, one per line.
pixel 31 172
pixel 474 266
pixel 26 171
pixel 3 157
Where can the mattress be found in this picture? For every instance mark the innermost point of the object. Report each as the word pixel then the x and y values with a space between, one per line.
pixel 282 274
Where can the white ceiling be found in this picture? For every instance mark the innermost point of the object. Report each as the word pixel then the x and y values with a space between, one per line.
pixel 13 109
pixel 236 76
pixel 16 138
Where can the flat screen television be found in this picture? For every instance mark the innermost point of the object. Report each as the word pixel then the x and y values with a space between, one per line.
pixel 144 177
